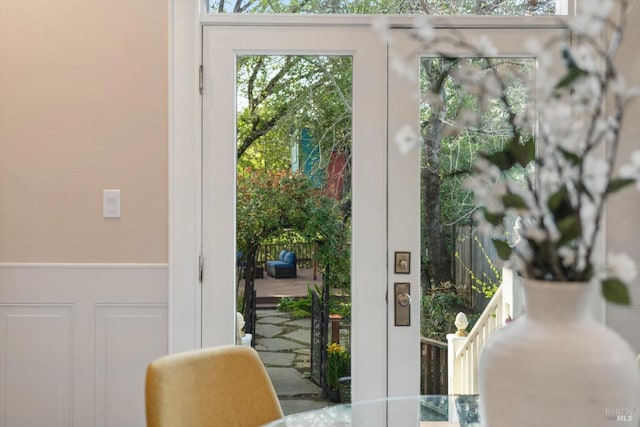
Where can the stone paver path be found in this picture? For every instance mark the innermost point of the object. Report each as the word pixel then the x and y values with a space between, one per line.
pixel 284 347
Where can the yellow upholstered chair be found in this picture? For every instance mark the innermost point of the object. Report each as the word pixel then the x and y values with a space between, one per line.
pixel 221 386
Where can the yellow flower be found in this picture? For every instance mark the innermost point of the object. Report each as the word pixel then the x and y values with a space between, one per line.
pixel 335 348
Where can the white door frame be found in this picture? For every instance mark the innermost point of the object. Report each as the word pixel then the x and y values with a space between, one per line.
pixel 185 121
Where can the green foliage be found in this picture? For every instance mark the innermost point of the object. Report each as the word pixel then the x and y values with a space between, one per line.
pixel 503 248
pixel 286 304
pixel 450 149
pixel 340 305
pixel 298 308
pixel 301 307
pixel 338 364
pixel 439 309
pixel 282 95
pixel 614 290
pixel 433 7
pixel 270 204
pixel 486 284
pixel 239 303
pixel 567 178
pixel 491 136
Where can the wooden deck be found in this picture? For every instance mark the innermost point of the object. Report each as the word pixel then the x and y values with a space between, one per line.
pixel 270 290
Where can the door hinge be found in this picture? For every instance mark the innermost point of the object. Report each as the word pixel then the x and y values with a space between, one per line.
pixel 200 266
pixel 201 78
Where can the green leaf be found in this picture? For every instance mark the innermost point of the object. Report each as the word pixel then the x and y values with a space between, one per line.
pixel 560 205
pixel 501 159
pixel 573 74
pixel 493 219
pixel 511 200
pixel 618 184
pixel 513 153
pixel 503 249
pixel 572 157
pixel 573 69
pixel 583 188
pixel 557 198
pixel 615 291
pixel 568 228
pixel 523 154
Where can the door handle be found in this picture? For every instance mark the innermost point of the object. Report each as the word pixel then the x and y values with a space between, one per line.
pixel 402 304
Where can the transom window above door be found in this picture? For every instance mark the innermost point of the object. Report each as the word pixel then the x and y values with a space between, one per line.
pixel 393 7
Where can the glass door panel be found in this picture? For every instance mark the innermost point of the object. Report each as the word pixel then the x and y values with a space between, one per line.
pixel 317 152
pixel 433 142
pixel 293 215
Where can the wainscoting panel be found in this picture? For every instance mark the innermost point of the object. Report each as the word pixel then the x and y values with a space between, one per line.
pixel 127 339
pixel 35 364
pixel 75 341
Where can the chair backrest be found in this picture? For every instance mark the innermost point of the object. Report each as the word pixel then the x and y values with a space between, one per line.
pixel 289 258
pixel 220 386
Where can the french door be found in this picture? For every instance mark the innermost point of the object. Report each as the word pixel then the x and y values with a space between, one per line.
pixel 386 181
pixel 223 45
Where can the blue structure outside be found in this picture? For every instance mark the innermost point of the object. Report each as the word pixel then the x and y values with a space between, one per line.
pixel 309 158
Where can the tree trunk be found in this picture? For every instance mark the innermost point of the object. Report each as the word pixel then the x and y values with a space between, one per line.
pixel 439 258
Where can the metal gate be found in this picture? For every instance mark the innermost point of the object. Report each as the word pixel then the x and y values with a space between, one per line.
pixel 319 328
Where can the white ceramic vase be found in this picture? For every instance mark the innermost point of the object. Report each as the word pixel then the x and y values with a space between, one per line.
pixel 557 366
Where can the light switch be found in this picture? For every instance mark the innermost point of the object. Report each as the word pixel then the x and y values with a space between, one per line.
pixel 111 203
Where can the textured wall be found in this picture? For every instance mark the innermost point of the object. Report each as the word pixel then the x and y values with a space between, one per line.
pixel 83 107
pixel 623 222
pixel 622 219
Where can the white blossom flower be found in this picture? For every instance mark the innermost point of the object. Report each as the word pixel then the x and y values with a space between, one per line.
pixel 407 139
pixel 424 28
pixel 486 46
pixel 404 68
pixel 380 25
pixel 536 234
pixel 595 175
pixel 567 255
pixel 621 265
pixel 494 197
pixel 632 170
pixel 592 16
pixel 588 212
pixel 555 192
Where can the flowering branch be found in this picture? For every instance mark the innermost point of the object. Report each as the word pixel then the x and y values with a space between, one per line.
pixel 566 174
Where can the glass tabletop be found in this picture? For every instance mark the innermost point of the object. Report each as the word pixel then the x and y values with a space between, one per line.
pixel 422 411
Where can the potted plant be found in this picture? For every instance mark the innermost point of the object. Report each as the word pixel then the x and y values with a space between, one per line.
pixel 338 366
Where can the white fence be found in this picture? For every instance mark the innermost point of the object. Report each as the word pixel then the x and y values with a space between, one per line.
pixel 464 351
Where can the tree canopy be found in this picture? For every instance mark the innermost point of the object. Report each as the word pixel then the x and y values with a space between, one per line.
pixel 430 7
pixel 279 96
pixel 272 204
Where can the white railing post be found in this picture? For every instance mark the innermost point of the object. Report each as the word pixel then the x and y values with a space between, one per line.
pixel 508 298
pixel 455 371
pixel 512 297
